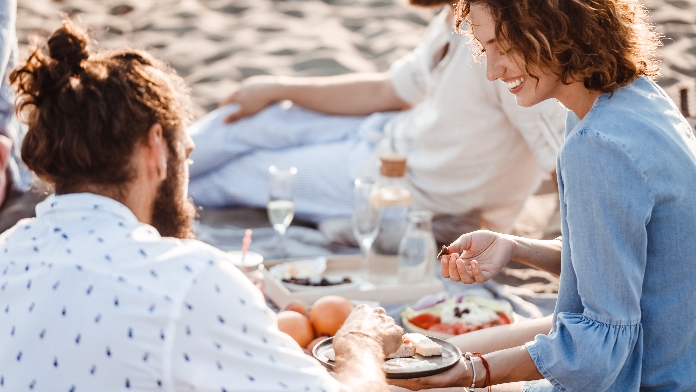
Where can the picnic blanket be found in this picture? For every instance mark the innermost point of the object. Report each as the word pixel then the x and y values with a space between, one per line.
pixel 532 294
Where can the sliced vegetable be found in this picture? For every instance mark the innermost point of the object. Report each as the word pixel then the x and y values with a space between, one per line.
pixel 446 328
pixel 424 320
pixel 430 300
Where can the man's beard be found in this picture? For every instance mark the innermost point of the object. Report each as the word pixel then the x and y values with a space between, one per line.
pixel 173 212
pixel 431 3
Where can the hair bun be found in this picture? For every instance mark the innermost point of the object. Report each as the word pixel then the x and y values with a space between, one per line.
pixel 68 45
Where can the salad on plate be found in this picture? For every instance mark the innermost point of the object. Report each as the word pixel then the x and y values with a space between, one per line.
pixel 444 317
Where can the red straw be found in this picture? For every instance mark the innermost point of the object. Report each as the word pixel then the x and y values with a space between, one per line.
pixel 245 243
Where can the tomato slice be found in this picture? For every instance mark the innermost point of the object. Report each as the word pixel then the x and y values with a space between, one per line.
pixel 503 319
pixel 460 328
pixel 446 328
pixel 424 320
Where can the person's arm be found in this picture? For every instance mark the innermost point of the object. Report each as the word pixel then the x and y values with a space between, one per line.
pixel 350 95
pixel 500 337
pixel 479 256
pixel 361 345
pixel 510 365
pixel 490 341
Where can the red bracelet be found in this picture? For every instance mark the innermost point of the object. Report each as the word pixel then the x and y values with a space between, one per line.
pixel 488 370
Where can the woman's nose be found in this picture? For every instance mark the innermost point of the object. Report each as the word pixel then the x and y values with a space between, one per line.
pixel 494 67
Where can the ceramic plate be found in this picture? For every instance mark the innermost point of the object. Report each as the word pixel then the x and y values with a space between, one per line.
pixel 450 357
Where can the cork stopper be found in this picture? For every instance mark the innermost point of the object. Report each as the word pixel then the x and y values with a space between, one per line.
pixel 393 165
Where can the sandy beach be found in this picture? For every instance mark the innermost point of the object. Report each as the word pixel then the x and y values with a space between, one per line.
pixel 214 44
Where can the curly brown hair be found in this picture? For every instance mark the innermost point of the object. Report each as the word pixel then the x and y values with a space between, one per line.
pixel 606 44
pixel 86 111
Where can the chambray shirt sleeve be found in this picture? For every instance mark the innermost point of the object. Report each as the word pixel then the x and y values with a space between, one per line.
pixel 227 339
pixel 608 205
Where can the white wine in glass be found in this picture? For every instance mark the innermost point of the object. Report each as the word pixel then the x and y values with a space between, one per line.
pixel 280 213
pixel 281 193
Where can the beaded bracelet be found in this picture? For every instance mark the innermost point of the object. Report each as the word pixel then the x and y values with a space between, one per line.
pixel 488 370
pixel 468 357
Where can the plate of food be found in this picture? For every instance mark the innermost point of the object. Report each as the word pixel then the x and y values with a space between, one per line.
pixel 445 318
pixel 418 356
pixel 306 275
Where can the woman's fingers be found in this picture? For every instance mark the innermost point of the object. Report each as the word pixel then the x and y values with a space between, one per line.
pixel 476 272
pixel 453 274
pixel 444 266
pixel 464 271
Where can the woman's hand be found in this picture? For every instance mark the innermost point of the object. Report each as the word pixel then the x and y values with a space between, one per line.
pixel 252 96
pixel 477 257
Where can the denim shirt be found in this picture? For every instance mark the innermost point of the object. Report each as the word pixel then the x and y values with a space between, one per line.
pixel 626 313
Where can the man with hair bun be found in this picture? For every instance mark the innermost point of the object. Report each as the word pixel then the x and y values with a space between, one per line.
pixel 94 295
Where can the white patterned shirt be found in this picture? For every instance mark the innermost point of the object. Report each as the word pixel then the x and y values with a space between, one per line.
pixel 91 299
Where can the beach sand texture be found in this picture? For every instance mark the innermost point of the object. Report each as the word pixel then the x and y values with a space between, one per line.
pixel 214 44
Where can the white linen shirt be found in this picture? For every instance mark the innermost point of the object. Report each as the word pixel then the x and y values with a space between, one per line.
pixel 470 146
pixel 91 299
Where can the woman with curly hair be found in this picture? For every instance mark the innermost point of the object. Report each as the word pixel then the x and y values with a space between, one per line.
pixel 624 320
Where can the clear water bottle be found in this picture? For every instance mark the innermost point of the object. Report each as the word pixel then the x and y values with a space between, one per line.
pixel 392 199
pixel 417 250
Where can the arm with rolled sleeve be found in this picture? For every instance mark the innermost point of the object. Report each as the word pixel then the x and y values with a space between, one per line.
pixel 607 207
pixel 541 126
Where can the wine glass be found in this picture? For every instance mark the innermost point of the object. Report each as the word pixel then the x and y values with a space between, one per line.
pixel 281 208
pixel 365 217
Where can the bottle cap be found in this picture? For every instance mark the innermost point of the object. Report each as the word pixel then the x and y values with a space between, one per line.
pixel 393 164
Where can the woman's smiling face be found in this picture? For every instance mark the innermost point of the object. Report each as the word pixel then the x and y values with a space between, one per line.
pixel 508 66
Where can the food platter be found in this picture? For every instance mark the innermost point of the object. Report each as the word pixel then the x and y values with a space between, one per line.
pixel 472 312
pixel 280 294
pixel 450 357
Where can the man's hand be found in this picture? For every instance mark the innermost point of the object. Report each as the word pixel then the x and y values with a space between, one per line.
pixel 477 256
pixel 253 95
pixel 370 323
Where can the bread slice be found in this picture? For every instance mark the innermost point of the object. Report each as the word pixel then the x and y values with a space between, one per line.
pixel 406 350
pixel 423 345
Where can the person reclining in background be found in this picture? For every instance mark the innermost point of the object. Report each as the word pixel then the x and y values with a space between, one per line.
pixel 94 297
pixel 434 106
pixel 15 177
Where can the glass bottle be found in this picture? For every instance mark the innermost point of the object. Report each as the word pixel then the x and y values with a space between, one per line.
pixel 393 200
pixel 417 250
pixel 251 266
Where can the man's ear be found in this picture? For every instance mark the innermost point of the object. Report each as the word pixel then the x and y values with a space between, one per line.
pixel 157 151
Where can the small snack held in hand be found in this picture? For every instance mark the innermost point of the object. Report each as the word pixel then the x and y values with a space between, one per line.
pixel 443 252
pixel 406 350
pixel 423 345
pixel 415 343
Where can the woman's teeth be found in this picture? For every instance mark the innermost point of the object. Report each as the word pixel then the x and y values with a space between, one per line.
pixel 514 83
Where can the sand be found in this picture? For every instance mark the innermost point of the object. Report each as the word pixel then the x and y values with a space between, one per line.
pixel 214 44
